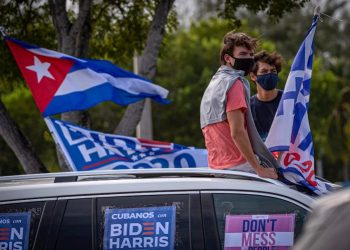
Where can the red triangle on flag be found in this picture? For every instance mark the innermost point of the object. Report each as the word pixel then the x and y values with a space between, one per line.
pixel 43 74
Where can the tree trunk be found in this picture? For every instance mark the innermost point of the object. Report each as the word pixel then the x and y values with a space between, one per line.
pixel 19 144
pixel 147 66
pixel 73 39
pixel 346 171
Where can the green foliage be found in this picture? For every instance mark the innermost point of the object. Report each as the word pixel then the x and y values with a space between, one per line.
pixel 120 29
pixel 20 105
pixel 26 20
pixel 273 8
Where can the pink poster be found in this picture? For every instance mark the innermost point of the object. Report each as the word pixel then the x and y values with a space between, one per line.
pixel 259 232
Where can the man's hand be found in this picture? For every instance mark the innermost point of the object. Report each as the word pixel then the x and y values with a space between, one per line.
pixel 266 172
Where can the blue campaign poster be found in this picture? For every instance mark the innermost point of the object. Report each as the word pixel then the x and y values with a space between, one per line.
pixel 14 230
pixel 140 228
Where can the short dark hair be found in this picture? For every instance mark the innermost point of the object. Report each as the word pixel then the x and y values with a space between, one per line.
pixel 232 39
pixel 274 59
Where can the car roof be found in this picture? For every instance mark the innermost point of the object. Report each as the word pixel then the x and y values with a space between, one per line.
pixel 111 182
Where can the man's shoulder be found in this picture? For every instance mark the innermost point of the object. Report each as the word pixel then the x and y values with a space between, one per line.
pixel 236 89
pixel 238 80
pixel 225 80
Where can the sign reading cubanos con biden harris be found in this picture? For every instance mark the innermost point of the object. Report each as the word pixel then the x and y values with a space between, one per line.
pixel 140 228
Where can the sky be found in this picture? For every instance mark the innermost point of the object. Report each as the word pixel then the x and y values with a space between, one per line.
pixel 186 10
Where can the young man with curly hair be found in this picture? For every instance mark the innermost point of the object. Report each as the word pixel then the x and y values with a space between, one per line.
pixel 224 108
pixel 265 103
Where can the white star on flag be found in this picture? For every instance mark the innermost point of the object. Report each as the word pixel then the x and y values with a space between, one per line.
pixel 41 69
pixel 130 151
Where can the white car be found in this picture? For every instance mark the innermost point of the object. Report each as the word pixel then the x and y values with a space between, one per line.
pixel 149 209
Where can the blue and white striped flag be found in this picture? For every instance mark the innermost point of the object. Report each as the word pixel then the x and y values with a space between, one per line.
pixel 290 130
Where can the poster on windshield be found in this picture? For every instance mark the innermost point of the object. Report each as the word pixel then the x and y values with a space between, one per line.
pixel 259 232
pixel 140 228
pixel 14 230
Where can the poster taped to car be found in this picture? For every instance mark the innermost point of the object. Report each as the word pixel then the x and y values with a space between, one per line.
pixel 263 232
pixel 14 230
pixel 87 150
pixel 140 228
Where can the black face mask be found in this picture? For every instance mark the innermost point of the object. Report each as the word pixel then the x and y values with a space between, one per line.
pixel 244 64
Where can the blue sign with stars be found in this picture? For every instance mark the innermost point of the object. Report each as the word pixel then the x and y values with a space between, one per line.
pixel 89 150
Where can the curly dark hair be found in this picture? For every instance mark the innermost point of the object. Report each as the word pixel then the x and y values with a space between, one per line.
pixel 274 59
pixel 232 39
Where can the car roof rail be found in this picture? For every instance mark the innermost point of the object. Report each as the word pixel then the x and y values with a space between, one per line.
pixel 59 177
pixel 72 178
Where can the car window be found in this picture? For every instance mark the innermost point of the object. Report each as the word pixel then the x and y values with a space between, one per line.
pixel 144 222
pixel 15 220
pixel 75 230
pixel 256 205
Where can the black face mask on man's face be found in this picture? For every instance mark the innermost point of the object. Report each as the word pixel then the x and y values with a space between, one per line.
pixel 244 64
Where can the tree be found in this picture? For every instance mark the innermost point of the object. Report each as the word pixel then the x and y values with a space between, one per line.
pixel 9 129
pixel 73 39
pixel 275 9
pixel 147 65
pixel 20 145
pixel 21 106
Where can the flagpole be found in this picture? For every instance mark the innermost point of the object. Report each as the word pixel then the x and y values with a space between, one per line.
pixel 317 10
pixel 66 156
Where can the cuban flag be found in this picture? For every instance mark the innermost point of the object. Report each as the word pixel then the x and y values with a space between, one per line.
pixel 87 150
pixel 290 130
pixel 61 83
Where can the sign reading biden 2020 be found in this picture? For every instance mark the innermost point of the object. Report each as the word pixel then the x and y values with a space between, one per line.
pixel 259 232
pixel 90 150
pixel 140 228
pixel 14 231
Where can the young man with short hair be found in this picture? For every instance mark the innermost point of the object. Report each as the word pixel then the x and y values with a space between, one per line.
pixel 224 106
pixel 265 103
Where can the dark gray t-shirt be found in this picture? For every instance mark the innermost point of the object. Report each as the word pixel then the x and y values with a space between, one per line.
pixel 263 113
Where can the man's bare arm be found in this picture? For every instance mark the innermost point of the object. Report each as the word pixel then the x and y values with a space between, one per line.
pixel 241 139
